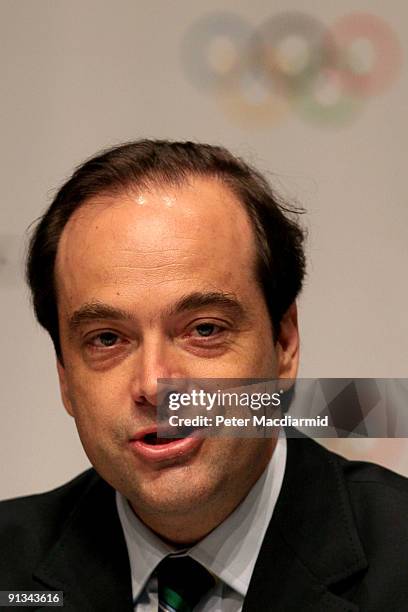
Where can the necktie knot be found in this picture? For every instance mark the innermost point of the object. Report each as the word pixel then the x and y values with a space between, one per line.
pixel 182 582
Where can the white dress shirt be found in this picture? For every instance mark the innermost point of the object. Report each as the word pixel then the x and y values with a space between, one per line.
pixel 229 551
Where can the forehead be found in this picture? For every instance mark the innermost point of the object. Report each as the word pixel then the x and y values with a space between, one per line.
pixel 158 237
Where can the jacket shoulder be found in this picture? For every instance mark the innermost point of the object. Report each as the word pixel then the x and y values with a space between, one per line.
pixel 59 501
pixel 364 472
pixel 379 500
pixel 30 525
pixel 379 503
pixel 373 480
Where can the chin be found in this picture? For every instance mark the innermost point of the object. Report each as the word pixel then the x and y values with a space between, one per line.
pixel 178 494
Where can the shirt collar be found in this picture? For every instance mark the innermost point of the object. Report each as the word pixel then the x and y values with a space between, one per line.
pixel 230 550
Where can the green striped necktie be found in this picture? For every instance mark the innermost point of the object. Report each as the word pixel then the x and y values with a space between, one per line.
pixel 182 582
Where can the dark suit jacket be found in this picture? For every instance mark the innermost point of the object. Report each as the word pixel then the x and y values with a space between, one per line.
pixel 338 541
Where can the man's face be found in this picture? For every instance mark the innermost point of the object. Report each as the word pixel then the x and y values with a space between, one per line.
pixel 161 284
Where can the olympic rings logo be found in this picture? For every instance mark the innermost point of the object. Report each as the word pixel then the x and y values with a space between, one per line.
pixel 292 61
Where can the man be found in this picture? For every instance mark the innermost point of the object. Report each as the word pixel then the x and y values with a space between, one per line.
pixel 175 260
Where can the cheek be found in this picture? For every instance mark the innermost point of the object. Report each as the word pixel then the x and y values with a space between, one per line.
pixel 236 460
pixel 96 400
pixel 100 422
pixel 263 355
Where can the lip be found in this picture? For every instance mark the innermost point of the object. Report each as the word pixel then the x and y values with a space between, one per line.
pixel 176 449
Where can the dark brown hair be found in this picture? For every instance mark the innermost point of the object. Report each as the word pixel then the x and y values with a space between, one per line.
pixel 279 238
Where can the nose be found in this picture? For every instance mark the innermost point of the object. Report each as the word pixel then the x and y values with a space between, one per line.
pixel 155 360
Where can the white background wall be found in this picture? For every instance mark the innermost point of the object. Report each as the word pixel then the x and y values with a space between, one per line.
pixel 78 75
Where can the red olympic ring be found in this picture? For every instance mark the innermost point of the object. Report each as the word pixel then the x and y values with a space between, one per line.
pixel 388 53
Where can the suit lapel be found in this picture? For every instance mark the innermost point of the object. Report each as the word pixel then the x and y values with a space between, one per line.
pixel 90 562
pixel 311 547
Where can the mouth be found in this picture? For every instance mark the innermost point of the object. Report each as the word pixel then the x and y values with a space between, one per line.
pixel 151 445
pixel 155 438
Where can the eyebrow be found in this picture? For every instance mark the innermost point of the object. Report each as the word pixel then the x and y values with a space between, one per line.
pixel 196 300
pixel 96 310
pixel 93 311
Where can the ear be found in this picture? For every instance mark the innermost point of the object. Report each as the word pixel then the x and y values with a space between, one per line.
pixel 288 344
pixel 62 376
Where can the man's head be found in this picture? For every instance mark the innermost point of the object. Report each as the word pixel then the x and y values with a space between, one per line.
pixel 166 260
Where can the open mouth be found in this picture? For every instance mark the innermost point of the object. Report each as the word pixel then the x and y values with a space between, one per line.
pixel 153 439
pixel 155 447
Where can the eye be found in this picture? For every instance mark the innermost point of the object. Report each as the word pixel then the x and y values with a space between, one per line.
pixel 105 340
pixel 206 338
pixel 206 329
